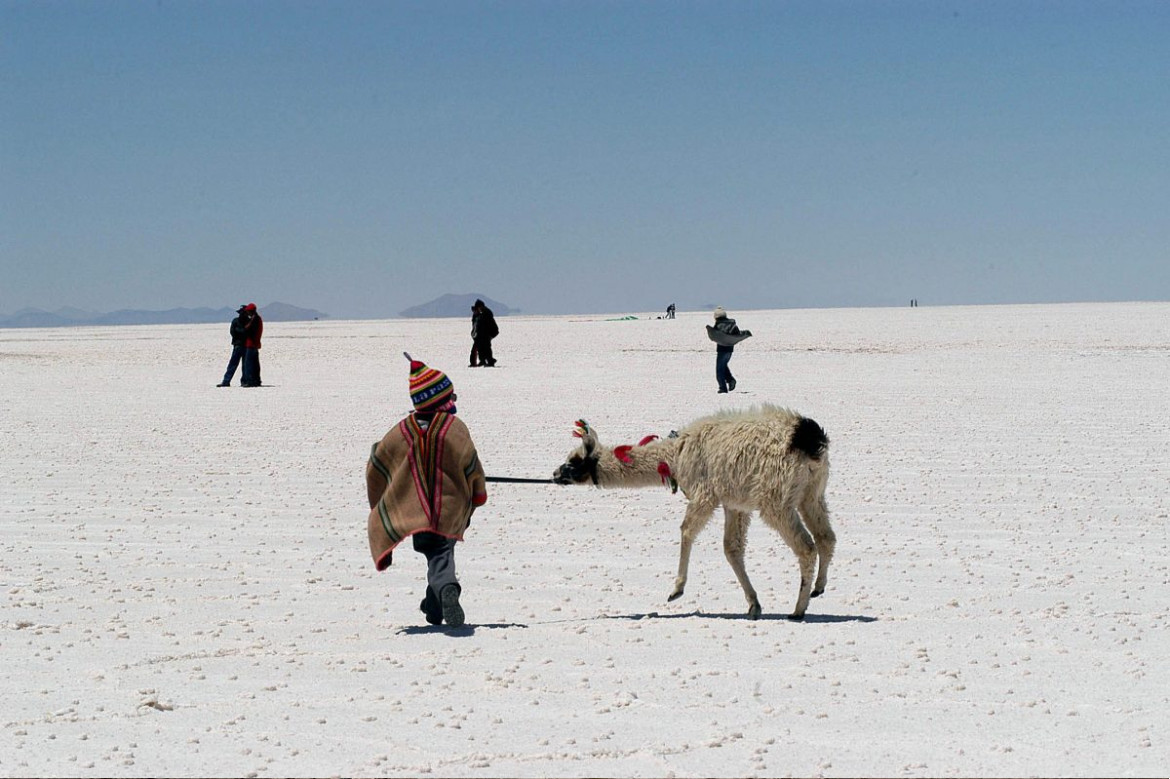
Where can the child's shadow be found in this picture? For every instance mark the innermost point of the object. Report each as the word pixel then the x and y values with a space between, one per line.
pixel 460 632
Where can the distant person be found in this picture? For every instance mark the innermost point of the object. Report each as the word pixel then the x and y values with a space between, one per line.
pixel 726 335
pixel 483 330
pixel 670 311
pixel 474 360
pixel 237 331
pixel 424 480
pixel 253 330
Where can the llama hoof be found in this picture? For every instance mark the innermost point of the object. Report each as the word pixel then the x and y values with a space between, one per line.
pixel 674 595
pixel 754 611
pixel 796 617
pixel 815 593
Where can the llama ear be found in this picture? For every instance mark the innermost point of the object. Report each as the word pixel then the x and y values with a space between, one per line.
pixel 587 436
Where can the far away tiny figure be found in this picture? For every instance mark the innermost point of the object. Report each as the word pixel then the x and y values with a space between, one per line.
pixel 726 335
pixel 483 330
pixel 473 362
pixel 424 481
pixel 253 329
pixel 237 331
pixel 670 311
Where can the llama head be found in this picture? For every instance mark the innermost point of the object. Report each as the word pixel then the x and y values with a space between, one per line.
pixel 581 464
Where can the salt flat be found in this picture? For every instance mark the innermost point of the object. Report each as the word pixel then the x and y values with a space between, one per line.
pixel 187 589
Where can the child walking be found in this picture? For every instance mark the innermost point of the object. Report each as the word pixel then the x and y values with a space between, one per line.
pixel 424 481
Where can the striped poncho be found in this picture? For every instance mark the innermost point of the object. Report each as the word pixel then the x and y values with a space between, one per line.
pixel 422 478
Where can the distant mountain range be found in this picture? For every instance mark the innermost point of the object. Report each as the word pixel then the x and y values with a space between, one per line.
pixel 72 317
pixel 455 305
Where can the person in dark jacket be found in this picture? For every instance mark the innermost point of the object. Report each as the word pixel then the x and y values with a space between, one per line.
pixel 474 359
pixel 253 329
pixel 483 330
pixel 723 352
pixel 237 331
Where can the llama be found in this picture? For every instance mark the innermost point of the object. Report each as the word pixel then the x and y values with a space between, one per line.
pixel 769 459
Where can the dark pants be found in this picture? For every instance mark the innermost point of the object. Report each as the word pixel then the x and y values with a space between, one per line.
pixel 484 347
pixel 251 376
pixel 723 371
pixel 237 355
pixel 440 554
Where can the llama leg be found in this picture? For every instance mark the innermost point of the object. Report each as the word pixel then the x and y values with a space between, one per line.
pixel 735 526
pixel 793 532
pixel 816 517
pixel 695 520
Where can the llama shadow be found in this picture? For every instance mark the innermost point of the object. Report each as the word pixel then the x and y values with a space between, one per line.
pixel 818 618
pixel 466 631
pixel 463 631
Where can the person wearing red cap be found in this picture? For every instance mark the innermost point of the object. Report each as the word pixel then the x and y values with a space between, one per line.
pixel 253 329
pixel 424 480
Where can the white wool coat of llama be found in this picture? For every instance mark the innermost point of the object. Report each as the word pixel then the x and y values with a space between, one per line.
pixel 769 460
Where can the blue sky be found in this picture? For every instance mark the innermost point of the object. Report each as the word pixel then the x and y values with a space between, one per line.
pixel 363 157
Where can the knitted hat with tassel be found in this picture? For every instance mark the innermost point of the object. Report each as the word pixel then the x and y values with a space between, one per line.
pixel 430 389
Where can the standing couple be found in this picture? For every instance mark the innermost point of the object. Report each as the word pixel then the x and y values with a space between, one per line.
pixel 246 330
pixel 483 330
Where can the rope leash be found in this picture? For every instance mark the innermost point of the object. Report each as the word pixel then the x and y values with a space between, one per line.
pixel 517 480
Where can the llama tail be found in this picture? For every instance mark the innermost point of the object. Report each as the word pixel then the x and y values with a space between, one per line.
pixel 809 438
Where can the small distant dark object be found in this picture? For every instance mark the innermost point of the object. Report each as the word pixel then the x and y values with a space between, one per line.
pixel 913 302
pixel 670 311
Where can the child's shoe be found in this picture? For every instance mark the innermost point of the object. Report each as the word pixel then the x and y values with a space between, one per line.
pixel 431 608
pixel 452 611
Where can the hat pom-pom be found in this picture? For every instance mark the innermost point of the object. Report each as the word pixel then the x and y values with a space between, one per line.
pixel 415 365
